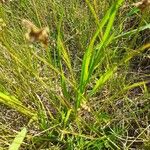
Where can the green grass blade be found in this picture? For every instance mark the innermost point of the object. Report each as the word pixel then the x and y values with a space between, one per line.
pixel 110 15
pixel 106 36
pixel 14 103
pixel 18 139
pixel 87 67
pixel 134 85
pixel 93 12
pixel 63 54
pixel 134 53
pixel 89 52
pixel 102 80
pixel 133 31
pixel 56 70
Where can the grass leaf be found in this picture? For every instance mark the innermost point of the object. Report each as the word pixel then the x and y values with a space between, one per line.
pixel 102 80
pixel 14 103
pixel 18 139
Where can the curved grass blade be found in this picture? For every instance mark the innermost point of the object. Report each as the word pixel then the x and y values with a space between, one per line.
pixel 102 80
pixel 14 103
pixel 133 31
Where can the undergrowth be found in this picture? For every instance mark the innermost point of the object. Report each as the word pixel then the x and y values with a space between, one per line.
pixel 88 88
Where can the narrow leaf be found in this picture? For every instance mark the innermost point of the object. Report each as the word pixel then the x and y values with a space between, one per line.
pixel 18 140
pixel 14 103
pixel 102 80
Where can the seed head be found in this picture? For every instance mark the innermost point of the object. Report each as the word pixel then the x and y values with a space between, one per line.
pixel 142 5
pixel 34 33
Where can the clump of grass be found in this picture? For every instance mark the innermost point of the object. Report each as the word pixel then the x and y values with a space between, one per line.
pixel 80 91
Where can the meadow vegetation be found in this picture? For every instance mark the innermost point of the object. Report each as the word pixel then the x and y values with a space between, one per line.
pixel 74 74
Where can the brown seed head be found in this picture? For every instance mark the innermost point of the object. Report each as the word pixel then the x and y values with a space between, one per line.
pixel 36 34
pixel 5 1
pixel 142 5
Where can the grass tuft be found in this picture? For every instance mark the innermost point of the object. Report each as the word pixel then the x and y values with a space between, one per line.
pixel 78 78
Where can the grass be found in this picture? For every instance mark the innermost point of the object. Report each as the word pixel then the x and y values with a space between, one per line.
pixel 88 89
